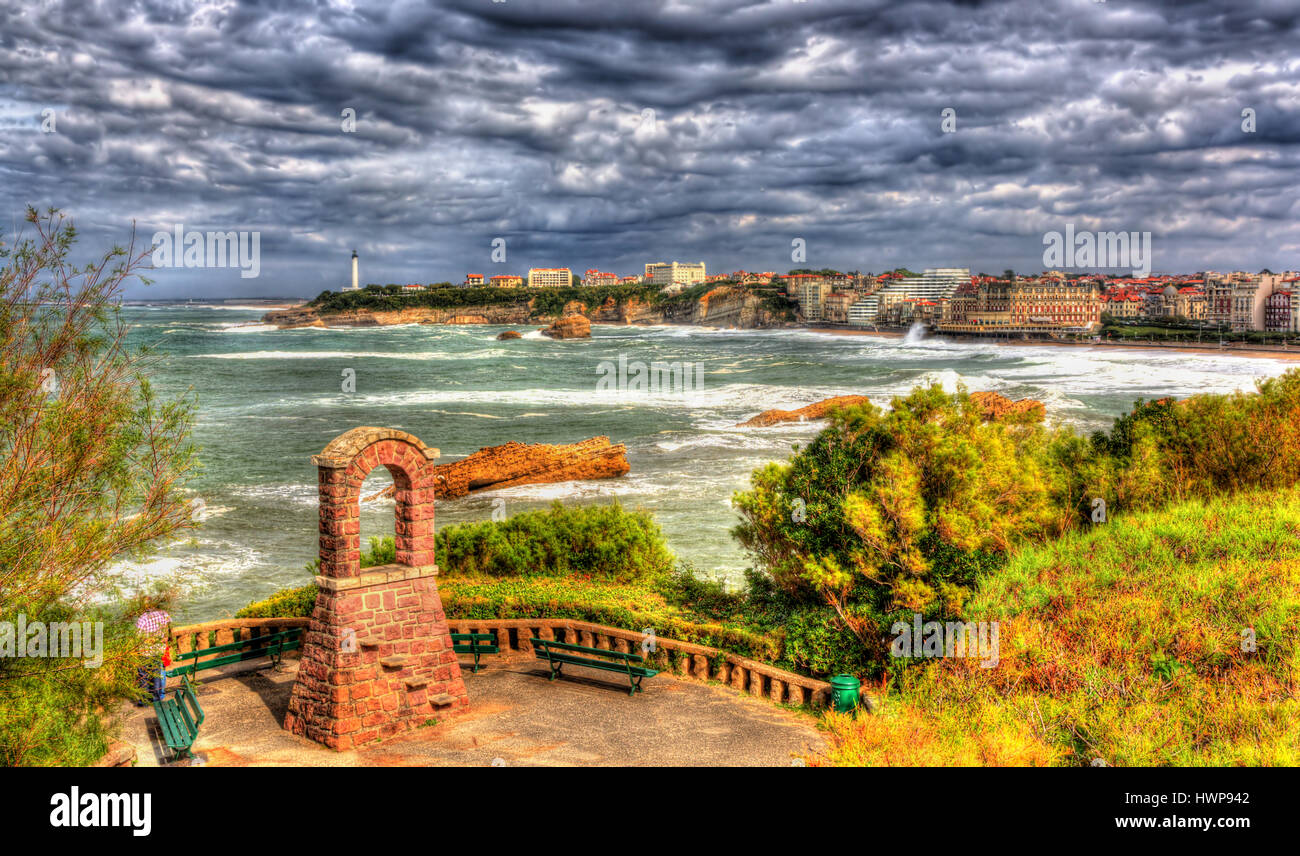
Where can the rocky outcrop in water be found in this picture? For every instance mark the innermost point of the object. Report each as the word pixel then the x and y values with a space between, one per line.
pixel 990 405
pixel 509 334
pixel 993 407
pixel 569 327
pixel 817 410
pixel 524 463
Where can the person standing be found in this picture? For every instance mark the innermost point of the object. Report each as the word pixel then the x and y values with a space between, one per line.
pixel 155 625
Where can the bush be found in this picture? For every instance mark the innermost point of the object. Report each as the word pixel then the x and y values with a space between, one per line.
pixel 602 542
pixel 888 514
pixel 94 467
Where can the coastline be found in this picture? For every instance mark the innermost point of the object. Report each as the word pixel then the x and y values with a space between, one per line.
pixel 1238 351
pixel 1255 352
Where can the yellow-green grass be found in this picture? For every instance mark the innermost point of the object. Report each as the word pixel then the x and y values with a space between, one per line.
pixel 1123 644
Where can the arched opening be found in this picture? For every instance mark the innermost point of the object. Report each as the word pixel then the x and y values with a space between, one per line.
pixel 378 515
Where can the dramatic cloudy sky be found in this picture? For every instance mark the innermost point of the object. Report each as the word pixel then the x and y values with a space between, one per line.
pixel 609 133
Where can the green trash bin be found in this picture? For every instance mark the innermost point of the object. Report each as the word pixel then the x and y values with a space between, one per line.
pixel 844 693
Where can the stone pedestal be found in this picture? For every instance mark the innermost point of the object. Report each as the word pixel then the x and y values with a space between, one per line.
pixel 377 658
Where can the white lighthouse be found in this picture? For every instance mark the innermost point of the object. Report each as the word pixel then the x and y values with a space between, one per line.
pixel 355 282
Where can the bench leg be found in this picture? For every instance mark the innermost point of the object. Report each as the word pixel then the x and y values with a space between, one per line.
pixel 476 662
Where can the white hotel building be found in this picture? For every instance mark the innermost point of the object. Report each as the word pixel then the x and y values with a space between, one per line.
pixel 674 273
pixel 550 278
pixel 933 284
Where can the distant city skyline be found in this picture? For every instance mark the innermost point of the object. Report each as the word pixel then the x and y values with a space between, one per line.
pixel 588 134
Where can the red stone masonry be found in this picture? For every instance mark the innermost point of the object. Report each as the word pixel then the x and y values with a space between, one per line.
pixel 377 657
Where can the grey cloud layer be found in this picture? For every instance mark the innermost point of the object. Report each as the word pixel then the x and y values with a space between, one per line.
pixel 606 134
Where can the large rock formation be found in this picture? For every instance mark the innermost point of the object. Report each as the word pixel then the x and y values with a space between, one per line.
pixel 818 410
pixel 509 334
pixel 524 463
pixel 569 327
pixel 993 406
pixel 990 405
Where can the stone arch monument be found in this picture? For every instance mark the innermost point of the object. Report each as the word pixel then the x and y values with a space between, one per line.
pixel 377 658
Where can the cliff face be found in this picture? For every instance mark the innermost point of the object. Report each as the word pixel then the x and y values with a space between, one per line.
pixel 722 307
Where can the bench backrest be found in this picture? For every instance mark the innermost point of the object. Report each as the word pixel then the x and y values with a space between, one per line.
pixel 188 702
pixel 286 640
pixel 600 652
pixel 466 638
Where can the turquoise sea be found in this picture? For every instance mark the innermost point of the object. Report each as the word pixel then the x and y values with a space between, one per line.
pixel 270 399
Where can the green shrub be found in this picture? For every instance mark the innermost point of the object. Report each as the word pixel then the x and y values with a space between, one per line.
pixel 285 603
pixel 601 542
pixel 886 514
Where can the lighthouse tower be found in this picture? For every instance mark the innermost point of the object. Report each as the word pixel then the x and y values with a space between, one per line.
pixel 355 283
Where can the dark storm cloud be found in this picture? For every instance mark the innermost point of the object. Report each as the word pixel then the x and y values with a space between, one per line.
pixel 608 134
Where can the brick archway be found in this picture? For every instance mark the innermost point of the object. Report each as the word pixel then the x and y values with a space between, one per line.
pixel 377 658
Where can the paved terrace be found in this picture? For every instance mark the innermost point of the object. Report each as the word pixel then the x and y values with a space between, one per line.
pixel 517 716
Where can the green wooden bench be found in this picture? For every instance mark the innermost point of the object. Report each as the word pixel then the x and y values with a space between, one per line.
pixel 474 643
pixel 179 718
pixel 272 645
pixel 559 654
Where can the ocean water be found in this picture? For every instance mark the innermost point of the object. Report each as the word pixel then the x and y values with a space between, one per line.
pixel 270 399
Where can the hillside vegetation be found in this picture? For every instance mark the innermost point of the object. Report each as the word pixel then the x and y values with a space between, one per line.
pixel 1129 645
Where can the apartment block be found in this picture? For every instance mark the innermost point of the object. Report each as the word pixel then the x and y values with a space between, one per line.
pixel 674 273
pixel 550 278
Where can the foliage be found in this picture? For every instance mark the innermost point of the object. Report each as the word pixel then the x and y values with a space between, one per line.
pixel 1130 643
pixel 93 467
pixel 887 514
pixel 542 302
pixel 602 542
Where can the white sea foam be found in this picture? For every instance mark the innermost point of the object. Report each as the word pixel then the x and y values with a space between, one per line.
pixel 419 356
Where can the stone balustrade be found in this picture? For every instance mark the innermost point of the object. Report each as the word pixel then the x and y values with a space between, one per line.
pixel 683 659
pixel 196 637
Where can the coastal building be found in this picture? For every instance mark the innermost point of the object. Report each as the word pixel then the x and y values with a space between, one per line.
pixel 674 273
pixel 835 308
pixel 812 295
pixel 506 281
pixel 550 278
pixel 1040 305
pixel 1249 297
pixel 473 280
pixel 1218 299
pixel 934 284
pixel 594 277
pixel 862 312
pixel 1277 312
